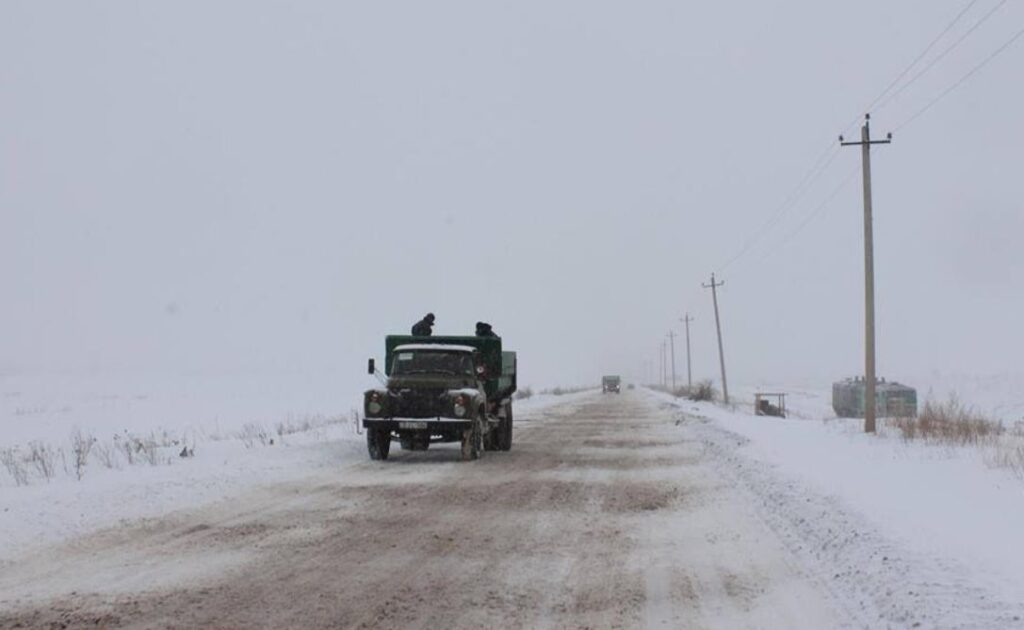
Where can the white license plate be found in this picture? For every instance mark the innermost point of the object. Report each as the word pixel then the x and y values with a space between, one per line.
pixel 412 425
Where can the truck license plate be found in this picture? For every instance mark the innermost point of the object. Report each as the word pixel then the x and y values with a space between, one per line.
pixel 412 425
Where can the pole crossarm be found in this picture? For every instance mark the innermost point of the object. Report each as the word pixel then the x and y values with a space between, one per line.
pixel 857 144
pixel 866 136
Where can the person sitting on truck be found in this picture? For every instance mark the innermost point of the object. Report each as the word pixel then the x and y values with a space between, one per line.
pixel 424 327
pixel 483 329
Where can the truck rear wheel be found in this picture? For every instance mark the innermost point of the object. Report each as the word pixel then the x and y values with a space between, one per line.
pixel 378 442
pixel 472 441
pixel 504 431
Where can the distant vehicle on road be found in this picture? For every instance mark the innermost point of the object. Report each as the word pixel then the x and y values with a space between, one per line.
pixel 441 389
pixel 610 383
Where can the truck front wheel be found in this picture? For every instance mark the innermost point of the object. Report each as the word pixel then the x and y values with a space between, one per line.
pixel 492 439
pixel 378 442
pixel 472 441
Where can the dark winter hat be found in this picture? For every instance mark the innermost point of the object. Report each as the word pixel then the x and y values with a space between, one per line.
pixel 429 317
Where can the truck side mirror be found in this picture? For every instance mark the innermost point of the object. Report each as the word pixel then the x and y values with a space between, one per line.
pixel 371 368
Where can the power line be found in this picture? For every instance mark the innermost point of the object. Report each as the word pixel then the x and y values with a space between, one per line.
pixel 913 63
pixel 827 156
pixel 962 79
pixel 814 213
pixel 822 163
pixel 943 54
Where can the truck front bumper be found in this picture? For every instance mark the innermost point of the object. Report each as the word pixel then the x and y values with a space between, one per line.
pixel 439 425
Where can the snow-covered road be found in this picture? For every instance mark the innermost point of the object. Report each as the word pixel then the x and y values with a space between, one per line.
pixel 610 511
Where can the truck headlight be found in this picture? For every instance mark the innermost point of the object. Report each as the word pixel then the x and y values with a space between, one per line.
pixel 374 404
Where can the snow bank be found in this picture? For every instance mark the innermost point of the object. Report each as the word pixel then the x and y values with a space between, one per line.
pixel 929 501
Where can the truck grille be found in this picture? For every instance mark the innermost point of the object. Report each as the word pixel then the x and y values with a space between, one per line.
pixel 417 403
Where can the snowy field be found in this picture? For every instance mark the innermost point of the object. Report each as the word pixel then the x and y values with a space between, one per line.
pixel 46 406
pixel 242 436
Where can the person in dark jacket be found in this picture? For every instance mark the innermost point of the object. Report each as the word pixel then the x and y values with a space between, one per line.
pixel 423 328
pixel 483 329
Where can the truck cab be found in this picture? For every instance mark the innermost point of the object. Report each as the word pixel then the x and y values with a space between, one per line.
pixel 610 383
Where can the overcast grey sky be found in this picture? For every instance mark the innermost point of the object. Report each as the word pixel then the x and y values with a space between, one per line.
pixel 277 185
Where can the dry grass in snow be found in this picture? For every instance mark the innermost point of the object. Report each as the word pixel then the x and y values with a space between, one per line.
pixel 43 461
pixel 953 423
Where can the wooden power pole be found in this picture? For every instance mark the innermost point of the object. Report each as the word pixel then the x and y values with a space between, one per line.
pixel 672 341
pixel 664 364
pixel 689 375
pixel 869 272
pixel 718 326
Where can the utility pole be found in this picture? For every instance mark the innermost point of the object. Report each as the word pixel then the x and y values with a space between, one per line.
pixel 689 376
pixel 665 366
pixel 718 326
pixel 672 341
pixel 869 272
pixel 660 364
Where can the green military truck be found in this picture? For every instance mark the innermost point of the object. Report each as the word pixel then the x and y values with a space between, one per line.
pixel 441 389
pixel 610 383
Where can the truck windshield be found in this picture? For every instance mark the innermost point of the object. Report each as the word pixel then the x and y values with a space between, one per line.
pixel 427 362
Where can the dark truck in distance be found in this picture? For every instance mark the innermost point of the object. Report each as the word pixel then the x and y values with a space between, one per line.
pixel 610 384
pixel 442 389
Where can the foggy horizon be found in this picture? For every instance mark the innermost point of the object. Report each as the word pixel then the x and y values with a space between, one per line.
pixel 265 188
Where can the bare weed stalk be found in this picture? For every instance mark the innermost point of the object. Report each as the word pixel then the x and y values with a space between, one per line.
pixel 15 466
pixel 252 433
pixel 147 452
pixel 81 445
pixel 44 458
pixel 107 454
